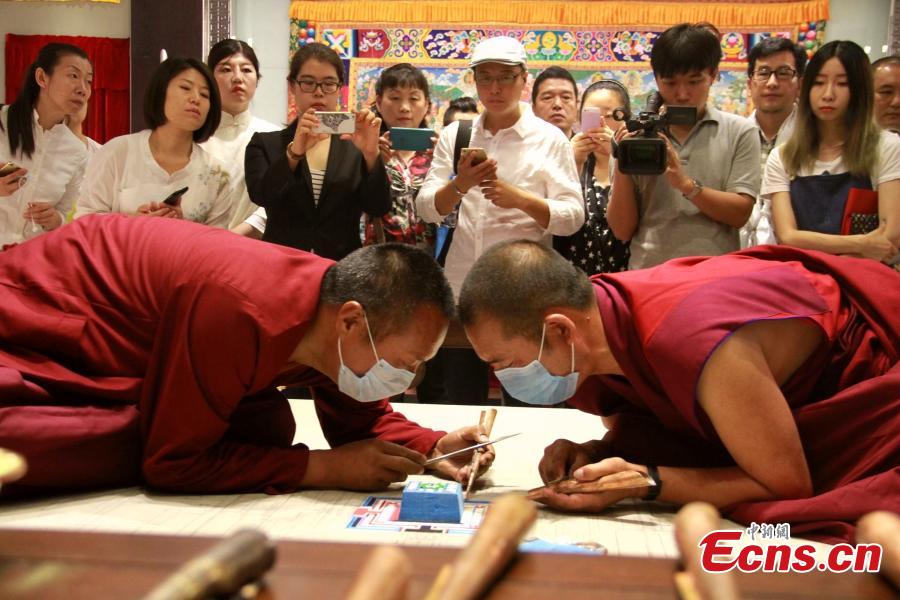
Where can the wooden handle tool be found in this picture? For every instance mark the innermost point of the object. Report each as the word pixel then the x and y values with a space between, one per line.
pixel 384 576
pixel 491 549
pixel 487 421
pixel 883 527
pixel 693 522
pixel 220 571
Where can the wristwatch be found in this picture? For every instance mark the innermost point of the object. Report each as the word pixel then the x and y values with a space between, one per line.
pixel 698 187
pixel 653 492
pixel 290 151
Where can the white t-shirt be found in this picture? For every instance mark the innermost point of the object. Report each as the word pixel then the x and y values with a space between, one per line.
pixel 776 178
pixel 228 144
pixel 123 175
pixel 55 171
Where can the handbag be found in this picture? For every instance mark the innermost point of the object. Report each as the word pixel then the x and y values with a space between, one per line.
pixel 860 212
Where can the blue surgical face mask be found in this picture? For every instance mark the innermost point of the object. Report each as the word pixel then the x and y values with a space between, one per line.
pixel 534 384
pixel 381 381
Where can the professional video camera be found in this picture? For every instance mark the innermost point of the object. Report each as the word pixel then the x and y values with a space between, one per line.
pixel 645 154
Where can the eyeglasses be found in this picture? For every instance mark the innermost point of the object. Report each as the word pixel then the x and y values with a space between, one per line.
pixel 781 74
pixel 309 86
pixel 505 80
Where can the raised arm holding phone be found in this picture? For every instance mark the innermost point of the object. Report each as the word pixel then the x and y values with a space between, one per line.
pixel 316 185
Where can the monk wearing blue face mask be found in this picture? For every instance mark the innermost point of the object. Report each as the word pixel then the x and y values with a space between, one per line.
pixel 534 384
pixel 150 351
pixel 765 381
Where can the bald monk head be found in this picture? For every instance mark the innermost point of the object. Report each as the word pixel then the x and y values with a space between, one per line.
pixel 388 302
pixel 522 302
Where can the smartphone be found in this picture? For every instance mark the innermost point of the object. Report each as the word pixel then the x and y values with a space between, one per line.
pixel 174 199
pixel 478 155
pixel 591 118
pixel 8 168
pixel 409 138
pixel 336 122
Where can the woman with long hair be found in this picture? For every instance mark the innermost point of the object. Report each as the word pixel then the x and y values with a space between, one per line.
pixel 315 185
pixel 836 152
pixel 402 99
pixel 162 171
pixel 594 249
pixel 41 144
pixel 236 70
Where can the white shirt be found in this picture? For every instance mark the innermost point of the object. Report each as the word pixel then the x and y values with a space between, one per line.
pixel 55 171
pixel 257 220
pixel 228 144
pixel 759 228
pixel 887 168
pixel 123 175
pixel 533 155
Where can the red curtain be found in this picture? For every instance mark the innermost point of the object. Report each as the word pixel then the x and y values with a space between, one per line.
pixel 108 110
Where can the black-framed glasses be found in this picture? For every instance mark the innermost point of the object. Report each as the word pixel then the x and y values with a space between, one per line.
pixel 781 74
pixel 505 80
pixel 309 85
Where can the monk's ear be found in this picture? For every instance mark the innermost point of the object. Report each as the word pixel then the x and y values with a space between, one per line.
pixel 350 316
pixel 559 327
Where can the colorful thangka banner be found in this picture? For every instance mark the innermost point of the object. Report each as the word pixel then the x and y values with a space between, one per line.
pixel 589 54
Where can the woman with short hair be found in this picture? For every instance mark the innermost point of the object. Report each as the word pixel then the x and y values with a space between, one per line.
pixel 315 186
pixel 162 171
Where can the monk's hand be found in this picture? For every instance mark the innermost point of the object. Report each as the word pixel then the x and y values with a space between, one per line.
pixel 590 502
pixel 457 467
pixel 562 457
pixel 364 465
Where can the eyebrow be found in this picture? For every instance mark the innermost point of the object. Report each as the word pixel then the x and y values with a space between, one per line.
pixel 202 86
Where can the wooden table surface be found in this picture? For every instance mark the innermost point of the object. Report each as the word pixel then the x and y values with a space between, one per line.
pixel 47 565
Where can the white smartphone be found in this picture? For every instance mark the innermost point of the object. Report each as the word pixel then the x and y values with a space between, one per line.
pixel 591 118
pixel 336 122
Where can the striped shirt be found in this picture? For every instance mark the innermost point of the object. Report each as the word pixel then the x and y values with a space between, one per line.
pixel 318 178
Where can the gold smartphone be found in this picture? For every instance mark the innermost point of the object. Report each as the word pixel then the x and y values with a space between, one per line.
pixel 8 168
pixel 478 155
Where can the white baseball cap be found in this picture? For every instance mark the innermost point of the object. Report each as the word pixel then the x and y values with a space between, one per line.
pixel 502 49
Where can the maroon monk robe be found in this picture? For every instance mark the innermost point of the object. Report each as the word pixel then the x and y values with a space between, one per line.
pixel 664 323
pixel 145 349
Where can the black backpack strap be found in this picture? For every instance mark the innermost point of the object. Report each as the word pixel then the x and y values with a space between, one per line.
pixel 463 136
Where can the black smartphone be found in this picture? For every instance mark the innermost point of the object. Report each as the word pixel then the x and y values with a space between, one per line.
pixel 174 199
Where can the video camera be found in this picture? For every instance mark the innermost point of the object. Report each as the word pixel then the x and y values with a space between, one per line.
pixel 645 154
